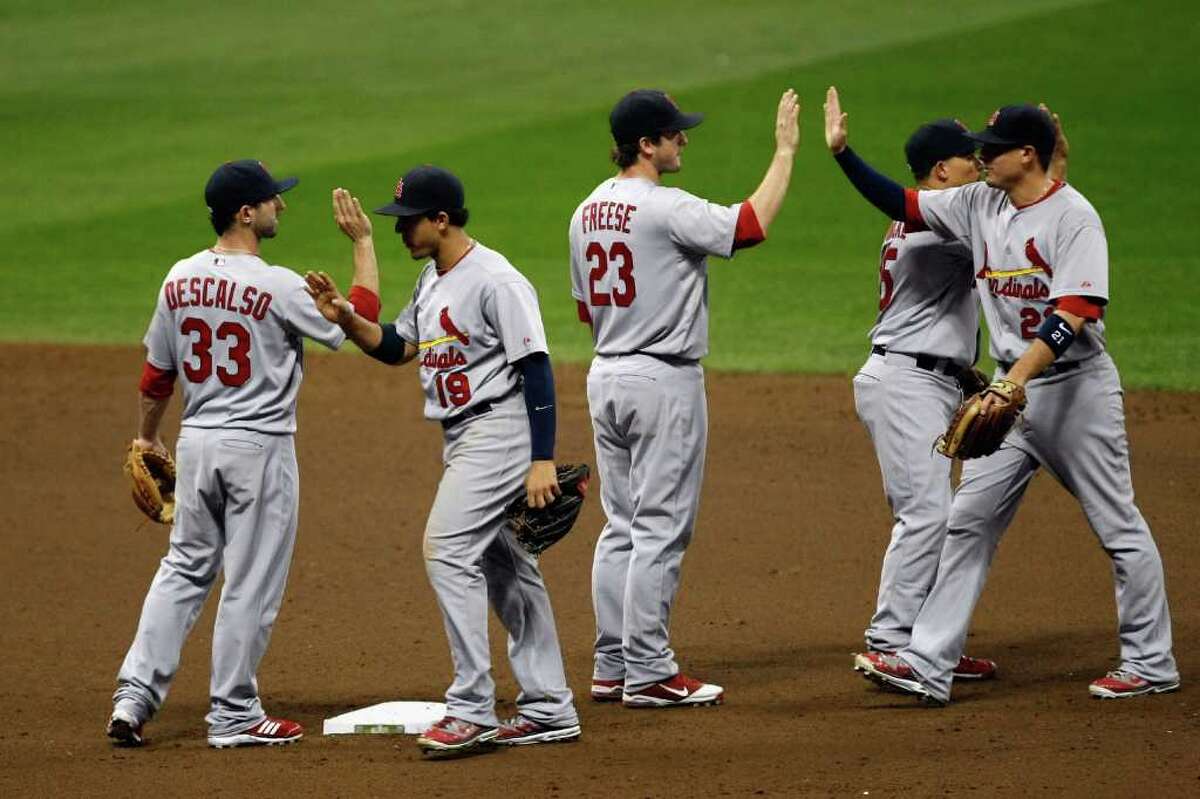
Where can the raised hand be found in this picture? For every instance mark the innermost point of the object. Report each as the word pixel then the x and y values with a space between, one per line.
pixel 1058 161
pixel 329 301
pixel 787 125
pixel 835 122
pixel 349 215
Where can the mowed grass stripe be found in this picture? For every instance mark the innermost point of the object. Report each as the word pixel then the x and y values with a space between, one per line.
pixel 116 107
pixel 805 299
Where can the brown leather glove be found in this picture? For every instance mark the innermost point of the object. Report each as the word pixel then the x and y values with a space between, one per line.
pixel 152 473
pixel 972 432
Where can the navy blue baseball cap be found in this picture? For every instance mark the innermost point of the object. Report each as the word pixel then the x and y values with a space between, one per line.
pixel 936 141
pixel 1017 126
pixel 648 112
pixel 238 183
pixel 424 189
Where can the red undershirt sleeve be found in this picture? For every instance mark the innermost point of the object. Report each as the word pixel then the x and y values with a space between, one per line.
pixel 585 315
pixel 1087 307
pixel 912 210
pixel 156 383
pixel 366 303
pixel 748 231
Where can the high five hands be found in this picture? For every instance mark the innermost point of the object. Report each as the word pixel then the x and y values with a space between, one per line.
pixel 835 122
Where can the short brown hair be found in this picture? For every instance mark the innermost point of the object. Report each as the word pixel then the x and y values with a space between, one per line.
pixel 626 155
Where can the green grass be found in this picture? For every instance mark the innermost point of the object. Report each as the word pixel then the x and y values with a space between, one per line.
pixel 113 116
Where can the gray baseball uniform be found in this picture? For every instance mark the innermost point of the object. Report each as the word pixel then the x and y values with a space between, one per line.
pixel 470 326
pixel 905 395
pixel 1025 259
pixel 231 326
pixel 638 262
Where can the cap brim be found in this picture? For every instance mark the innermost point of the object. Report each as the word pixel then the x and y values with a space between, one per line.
pixel 283 185
pixel 399 209
pixel 987 137
pixel 688 121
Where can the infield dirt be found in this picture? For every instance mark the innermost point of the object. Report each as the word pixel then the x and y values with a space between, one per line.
pixel 777 586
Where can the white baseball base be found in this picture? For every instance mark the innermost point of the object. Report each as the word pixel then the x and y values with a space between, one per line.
pixel 387 718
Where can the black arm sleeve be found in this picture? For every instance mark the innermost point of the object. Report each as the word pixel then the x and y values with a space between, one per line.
pixel 539 402
pixel 881 191
pixel 391 347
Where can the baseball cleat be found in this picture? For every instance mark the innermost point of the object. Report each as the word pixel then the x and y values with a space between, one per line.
pixel 1122 684
pixel 890 671
pixel 521 731
pixel 679 691
pixel 124 729
pixel 607 690
pixel 970 668
pixel 268 732
pixel 451 735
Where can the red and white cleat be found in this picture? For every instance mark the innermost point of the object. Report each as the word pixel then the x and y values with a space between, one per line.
pixel 1123 684
pixel 970 668
pixel 890 671
pixel 268 732
pixel 607 690
pixel 520 731
pixel 454 735
pixel 679 691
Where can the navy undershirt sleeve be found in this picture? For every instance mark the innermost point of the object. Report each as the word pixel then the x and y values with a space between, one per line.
pixel 881 191
pixel 539 402
pixel 391 346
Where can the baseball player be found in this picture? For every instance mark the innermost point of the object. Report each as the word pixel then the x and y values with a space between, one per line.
pixel 639 274
pixel 1041 268
pixel 925 336
pixel 231 325
pixel 475 326
pixel 923 339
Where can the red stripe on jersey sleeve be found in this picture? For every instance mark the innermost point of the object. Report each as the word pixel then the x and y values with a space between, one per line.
pixel 748 231
pixel 1087 307
pixel 912 210
pixel 366 303
pixel 585 315
pixel 156 383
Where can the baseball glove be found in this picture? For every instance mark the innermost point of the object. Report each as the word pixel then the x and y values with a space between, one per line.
pixel 538 528
pixel 972 433
pixel 152 473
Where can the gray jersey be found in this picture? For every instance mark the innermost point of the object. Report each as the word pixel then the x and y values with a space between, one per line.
pixel 1025 258
pixel 470 325
pixel 926 299
pixel 232 325
pixel 639 262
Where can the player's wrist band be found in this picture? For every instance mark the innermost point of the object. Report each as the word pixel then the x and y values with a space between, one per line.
pixel 1057 333
pixel 538 385
pixel 391 346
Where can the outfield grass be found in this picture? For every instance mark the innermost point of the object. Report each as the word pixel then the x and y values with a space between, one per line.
pixel 113 118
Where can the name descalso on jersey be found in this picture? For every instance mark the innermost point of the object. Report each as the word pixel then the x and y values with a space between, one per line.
pixel 232 326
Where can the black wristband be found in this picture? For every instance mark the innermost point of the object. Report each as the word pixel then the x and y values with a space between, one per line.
pixel 538 380
pixel 391 346
pixel 1057 333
